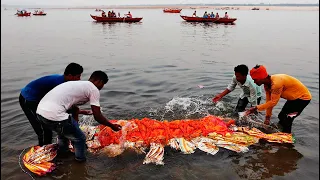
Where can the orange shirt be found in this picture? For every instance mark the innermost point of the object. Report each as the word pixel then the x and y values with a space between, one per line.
pixel 286 87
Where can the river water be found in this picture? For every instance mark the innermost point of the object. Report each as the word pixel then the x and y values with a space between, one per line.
pixel 155 68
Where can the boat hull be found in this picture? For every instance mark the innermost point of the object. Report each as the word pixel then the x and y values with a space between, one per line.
pixel 40 14
pixel 214 20
pixel 25 14
pixel 122 19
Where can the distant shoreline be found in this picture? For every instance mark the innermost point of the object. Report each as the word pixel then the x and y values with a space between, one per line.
pixel 292 7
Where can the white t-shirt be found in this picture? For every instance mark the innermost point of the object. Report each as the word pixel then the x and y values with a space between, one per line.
pixel 55 103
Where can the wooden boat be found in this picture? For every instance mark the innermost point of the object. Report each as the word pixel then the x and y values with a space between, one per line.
pixel 115 19
pixel 214 20
pixel 24 14
pixel 172 10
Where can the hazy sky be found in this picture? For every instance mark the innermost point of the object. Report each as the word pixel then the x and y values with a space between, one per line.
pixel 136 2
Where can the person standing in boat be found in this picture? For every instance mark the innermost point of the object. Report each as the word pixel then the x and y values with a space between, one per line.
pixel 226 15
pixel 129 15
pixel 103 14
pixel 217 15
pixel 33 92
pixel 251 93
pixel 194 14
pixel 113 14
pixel 279 86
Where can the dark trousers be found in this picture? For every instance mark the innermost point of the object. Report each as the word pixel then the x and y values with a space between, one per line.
pixel 242 104
pixel 289 112
pixel 29 108
pixel 68 130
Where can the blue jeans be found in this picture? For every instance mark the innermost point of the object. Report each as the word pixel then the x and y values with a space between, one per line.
pixel 68 130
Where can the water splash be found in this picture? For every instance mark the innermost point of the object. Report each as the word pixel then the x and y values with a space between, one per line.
pixel 87 120
pixel 190 107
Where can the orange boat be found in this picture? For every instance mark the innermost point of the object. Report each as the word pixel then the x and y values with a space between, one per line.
pixel 167 10
pixel 115 19
pixel 214 20
pixel 24 14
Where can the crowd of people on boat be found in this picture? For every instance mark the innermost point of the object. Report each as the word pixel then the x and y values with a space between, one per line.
pixel 39 12
pixel 22 12
pixel 210 15
pixel 112 14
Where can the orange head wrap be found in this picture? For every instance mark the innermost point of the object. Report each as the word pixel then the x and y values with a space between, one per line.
pixel 258 73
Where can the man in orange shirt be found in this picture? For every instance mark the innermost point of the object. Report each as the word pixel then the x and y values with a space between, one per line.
pixel 286 87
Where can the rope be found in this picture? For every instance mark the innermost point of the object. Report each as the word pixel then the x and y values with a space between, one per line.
pixel 21 165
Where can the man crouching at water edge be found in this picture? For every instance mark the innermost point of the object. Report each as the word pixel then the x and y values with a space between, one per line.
pixel 285 86
pixel 52 111
pixel 33 92
pixel 250 91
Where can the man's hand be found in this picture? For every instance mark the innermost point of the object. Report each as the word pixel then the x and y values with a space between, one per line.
pixel 217 98
pixel 251 110
pixel 116 127
pixel 267 120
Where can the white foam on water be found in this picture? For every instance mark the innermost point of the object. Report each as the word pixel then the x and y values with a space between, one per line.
pixel 221 106
pixel 191 105
pixel 87 120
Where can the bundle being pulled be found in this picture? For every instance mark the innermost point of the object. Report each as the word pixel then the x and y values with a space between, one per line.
pixel 207 134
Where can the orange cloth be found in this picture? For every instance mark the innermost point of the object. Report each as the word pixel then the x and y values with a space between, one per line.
pixel 259 73
pixel 286 87
pixel 153 131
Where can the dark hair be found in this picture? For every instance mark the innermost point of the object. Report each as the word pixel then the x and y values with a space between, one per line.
pixel 73 69
pixel 257 66
pixel 99 75
pixel 242 69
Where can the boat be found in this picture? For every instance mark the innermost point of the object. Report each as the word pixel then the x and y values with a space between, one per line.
pixel 214 20
pixel 39 13
pixel 115 19
pixel 255 8
pixel 168 10
pixel 24 14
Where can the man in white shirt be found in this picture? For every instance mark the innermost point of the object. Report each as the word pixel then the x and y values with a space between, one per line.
pixel 250 91
pixel 53 107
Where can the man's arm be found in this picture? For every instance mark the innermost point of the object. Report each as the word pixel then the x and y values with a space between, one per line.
pixel 230 88
pixel 269 110
pixel 74 111
pixel 102 120
pixel 274 98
